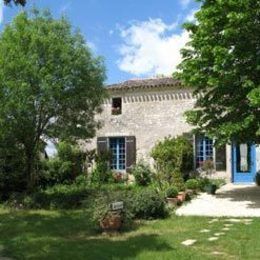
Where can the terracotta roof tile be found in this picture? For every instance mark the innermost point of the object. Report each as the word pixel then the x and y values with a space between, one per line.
pixel 145 83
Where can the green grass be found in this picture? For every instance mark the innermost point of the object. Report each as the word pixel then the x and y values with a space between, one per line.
pixel 69 235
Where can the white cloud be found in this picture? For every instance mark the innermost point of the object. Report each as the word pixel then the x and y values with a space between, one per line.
pixel 191 15
pixel 1 11
pixel 151 48
pixel 185 3
pixel 92 46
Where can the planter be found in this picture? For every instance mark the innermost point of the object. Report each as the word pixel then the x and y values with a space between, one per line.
pixel 190 192
pixel 181 196
pixel 210 189
pixel 111 222
pixel 172 201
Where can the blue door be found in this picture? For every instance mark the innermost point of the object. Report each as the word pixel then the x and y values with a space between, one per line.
pixel 243 163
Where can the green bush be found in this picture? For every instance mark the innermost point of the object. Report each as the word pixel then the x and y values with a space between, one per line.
pixel 173 154
pixel 80 194
pixel 102 174
pixel 13 177
pixel 63 168
pixel 148 204
pixel 178 181
pixel 60 196
pixel 203 182
pixel 257 178
pixel 171 192
pixel 142 174
pixel 192 184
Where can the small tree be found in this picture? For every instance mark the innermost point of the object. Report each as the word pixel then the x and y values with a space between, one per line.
pixel 51 86
pixel 172 155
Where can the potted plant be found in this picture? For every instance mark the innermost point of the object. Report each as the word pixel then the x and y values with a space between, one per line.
pixel 211 188
pixel 181 196
pixel 111 221
pixel 116 110
pixel 192 186
pixel 111 212
pixel 171 196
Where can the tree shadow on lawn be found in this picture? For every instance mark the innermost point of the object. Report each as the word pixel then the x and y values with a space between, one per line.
pixel 68 235
pixel 95 248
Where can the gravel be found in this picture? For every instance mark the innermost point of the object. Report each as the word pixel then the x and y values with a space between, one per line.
pixel 230 201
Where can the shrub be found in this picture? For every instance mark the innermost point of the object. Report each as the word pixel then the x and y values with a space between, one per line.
pixel 173 154
pixel 203 182
pixel 63 168
pixel 12 167
pixel 60 196
pixel 257 178
pixel 102 173
pixel 148 204
pixel 178 181
pixel 192 184
pixel 142 174
pixel 218 182
pixel 171 192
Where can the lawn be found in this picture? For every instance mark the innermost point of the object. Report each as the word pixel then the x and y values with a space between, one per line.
pixel 69 235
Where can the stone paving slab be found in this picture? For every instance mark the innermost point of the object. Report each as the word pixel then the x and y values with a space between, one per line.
pixel 230 201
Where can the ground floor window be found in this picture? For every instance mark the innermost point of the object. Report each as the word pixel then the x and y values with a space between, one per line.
pixel 204 150
pixel 118 153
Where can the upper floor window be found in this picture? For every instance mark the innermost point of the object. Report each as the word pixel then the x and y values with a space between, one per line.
pixel 116 106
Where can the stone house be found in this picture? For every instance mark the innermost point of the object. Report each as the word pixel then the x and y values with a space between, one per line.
pixel 143 111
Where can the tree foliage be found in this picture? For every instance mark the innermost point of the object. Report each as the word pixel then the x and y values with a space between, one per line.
pixel 51 85
pixel 63 168
pixel 16 2
pixel 173 154
pixel 222 63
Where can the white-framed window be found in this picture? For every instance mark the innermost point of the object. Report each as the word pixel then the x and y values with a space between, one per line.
pixel 117 146
pixel 204 150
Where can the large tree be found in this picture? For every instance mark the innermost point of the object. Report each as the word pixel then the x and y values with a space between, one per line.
pixel 51 85
pixel 17 2
pixel 222 63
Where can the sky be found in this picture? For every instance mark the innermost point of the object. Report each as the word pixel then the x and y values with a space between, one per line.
pixel 136 38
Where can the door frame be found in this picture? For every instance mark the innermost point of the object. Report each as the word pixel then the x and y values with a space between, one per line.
pixel 251 174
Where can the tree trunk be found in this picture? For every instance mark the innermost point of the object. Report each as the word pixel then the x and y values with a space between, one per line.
pixel 30 171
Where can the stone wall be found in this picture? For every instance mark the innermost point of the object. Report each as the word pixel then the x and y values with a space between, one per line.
pixel 149 115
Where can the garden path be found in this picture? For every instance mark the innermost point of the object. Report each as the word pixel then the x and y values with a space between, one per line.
pixel 230 201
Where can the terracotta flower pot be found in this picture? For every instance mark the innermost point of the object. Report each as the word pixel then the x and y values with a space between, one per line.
pixel 181 196
pixel 172 201
pixel 190 192
pixel 111 222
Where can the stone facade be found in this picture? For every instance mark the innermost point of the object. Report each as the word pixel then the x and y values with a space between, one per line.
pixel 151 110
pixel 148 115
